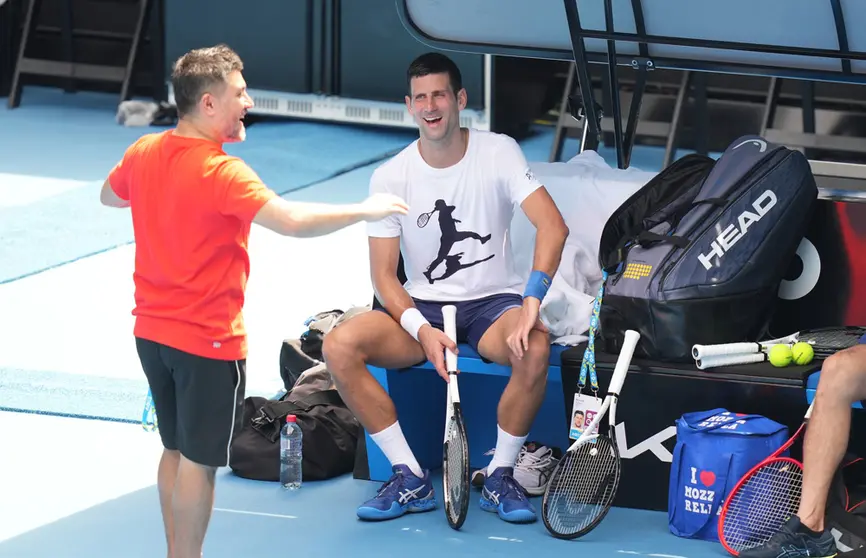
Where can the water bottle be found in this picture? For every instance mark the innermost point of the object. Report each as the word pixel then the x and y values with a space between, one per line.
pixel 291 454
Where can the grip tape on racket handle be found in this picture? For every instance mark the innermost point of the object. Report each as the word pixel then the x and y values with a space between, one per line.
pixel 449 319
pixel 707 351
pixel 624 360
pixel 730 360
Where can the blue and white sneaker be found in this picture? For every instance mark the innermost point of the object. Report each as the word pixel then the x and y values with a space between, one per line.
pixel 502 494
pixel 403 493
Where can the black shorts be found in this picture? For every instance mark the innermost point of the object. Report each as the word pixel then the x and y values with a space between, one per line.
pixel 199 401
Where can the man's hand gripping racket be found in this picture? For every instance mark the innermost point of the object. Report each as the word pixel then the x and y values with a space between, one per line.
pixel 764 499
pixel 584 484
pixel 455 454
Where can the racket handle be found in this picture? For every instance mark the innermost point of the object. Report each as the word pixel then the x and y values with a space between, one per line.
pixel 449 318
pixel 623 361
pixel 701 352
pixel 730 360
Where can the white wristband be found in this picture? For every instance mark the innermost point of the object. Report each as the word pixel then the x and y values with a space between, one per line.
pixel 412 320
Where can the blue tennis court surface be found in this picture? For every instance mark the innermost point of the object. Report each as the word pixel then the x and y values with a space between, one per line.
pixel 75 487
pixel 86 488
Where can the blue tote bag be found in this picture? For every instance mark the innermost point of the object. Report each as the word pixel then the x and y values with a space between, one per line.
pixel 714 450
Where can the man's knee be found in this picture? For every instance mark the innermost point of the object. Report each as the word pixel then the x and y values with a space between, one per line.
pixel 191 464
pixel 843 375
pixel 340 347
pixel 535 360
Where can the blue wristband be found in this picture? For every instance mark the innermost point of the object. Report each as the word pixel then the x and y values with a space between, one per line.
pixel 538 285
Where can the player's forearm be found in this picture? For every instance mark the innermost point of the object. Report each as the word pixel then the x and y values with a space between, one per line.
pixel 392 295
pixel 549 242
pixel 317 219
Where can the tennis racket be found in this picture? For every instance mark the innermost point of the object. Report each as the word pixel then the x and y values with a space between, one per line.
pixel 829 340
pixel 584 484
pixel 824 341
pixel 423 219
pixel 455 451
pixel 707 352
pixel 764 499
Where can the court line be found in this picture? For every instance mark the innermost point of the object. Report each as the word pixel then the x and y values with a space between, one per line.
pixel 654 555
pixel 506 539
pixel 263 514
pixel 64 414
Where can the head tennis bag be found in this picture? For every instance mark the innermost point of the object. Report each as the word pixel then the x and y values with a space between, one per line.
pixel 697 254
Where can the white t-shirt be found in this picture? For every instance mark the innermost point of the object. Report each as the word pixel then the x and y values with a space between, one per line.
pixel 464 247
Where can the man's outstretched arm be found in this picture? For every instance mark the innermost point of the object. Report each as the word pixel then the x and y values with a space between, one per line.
pixel 301 219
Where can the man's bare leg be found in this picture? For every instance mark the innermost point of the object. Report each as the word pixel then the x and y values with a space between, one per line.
pixel 192 505
pixel 525 391
pixel 516 412
pixel 375 338
pixel 165 480
pixel 843 381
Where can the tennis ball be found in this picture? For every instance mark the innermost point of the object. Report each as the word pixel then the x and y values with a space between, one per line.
pixel 781 355
pixel 802 353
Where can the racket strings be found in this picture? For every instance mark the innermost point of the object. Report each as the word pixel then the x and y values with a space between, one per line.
pixel 825 343
pixel 456 466
pixel 585 487
pixel 762 504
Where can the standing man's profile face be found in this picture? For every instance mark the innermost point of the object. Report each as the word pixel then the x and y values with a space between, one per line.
pixel 227 106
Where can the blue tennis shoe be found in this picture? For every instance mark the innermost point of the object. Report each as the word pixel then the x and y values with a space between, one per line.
pixel 502 494
pixel 403 493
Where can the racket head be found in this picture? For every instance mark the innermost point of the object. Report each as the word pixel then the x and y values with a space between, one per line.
pixel 582 488
pixel 455 470
pixel 423 219
pixel 760 503
pixel 829 340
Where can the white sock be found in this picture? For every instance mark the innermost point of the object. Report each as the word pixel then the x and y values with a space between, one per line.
pixel 507 450
pixel 395 447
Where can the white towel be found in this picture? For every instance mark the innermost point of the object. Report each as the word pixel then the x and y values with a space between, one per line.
pixel 587 191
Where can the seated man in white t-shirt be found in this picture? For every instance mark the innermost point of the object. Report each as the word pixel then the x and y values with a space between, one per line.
pixel 466 184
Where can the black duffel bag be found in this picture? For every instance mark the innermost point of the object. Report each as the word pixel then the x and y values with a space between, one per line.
pixel 330 431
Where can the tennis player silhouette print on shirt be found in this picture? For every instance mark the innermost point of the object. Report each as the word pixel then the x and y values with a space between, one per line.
pixel 450 236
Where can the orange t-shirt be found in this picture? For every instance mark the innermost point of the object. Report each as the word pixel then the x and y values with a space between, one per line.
pixel 192 207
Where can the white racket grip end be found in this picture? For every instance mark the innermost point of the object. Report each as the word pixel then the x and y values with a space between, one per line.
pixel 623 361
pixel 449 319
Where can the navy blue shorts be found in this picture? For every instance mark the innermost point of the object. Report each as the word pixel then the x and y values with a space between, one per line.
pixel 474 317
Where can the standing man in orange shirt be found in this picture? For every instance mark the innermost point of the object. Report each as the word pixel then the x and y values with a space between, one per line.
pixel 192 207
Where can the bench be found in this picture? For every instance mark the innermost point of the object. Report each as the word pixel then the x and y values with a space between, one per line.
pixel 420 396
pixel 654 396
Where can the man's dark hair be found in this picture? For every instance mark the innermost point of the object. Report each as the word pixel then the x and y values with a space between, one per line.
pixel 200 70
pixel 434 63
